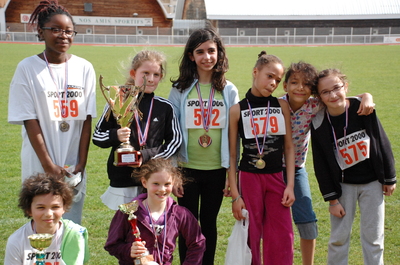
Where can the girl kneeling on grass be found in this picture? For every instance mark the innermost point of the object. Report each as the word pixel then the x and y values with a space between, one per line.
pixel 45 198
pixel 159 219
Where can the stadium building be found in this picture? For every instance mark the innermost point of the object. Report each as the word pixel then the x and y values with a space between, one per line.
pixel 238 21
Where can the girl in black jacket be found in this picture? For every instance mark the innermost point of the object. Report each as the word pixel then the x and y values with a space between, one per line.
pixel 353 163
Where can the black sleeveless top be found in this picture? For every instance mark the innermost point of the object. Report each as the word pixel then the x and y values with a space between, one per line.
pixel 273 147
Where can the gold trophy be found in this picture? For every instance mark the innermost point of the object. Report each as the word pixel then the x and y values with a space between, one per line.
pixel 40 242
pixel 130 208
pixel 123 101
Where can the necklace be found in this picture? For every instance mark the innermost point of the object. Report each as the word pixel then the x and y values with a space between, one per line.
pixel 205 140
pixel 142 135
pixel 160 255
pixel 344 132
pixel 64 126
pixel 260 163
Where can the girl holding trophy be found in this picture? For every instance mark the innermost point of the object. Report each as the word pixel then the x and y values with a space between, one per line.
pixel 45 198
pixel 159 221
pixel 153 133
pixel 52 94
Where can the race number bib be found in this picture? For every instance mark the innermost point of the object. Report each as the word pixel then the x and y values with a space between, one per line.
pixel 275 124
pixel 193 114
pixel 72 103
pixel 352 149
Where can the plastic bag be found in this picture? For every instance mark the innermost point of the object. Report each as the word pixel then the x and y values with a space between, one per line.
pixel 238 252
pixel 73 179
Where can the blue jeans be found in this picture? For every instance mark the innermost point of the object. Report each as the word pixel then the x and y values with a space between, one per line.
pixel 302 211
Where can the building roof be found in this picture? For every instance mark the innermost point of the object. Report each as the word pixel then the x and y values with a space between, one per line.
pixel 301 9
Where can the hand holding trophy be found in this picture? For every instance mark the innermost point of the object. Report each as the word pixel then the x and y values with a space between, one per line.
pixel 130 208
pixel 40 242
pixel 123 102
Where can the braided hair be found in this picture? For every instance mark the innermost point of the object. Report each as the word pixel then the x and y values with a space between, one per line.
pixel 45 11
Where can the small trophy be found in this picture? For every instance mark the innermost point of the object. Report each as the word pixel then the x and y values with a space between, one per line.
pixel 130 208
pixel 40 242
pixel 123 102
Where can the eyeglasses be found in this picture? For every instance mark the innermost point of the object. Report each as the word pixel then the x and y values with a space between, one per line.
pixel 58 32
pixel 335 90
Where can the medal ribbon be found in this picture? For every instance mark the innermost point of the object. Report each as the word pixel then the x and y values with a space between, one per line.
pixel 160 255
pixel 206 117
pixel 142 136
pixel 259 148
pixel 344 131
pixel 63 115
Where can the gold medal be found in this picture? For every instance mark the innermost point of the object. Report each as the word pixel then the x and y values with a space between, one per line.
pixel 205 140
pixel 64 126
pixel 260 163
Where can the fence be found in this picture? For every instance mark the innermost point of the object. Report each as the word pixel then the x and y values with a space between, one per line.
pixel 228 40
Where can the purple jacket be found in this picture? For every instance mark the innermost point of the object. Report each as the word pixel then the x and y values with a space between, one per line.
pixel 179 221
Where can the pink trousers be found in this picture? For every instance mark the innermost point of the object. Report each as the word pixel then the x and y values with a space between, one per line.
pixel 269 219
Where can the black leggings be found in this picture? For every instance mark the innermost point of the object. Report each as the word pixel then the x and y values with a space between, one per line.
pixel 206 187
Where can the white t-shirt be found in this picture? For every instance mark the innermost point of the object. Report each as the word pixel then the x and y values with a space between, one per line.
pixel 34 95
pixel 20 252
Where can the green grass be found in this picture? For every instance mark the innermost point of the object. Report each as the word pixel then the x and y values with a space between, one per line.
pixel 374 69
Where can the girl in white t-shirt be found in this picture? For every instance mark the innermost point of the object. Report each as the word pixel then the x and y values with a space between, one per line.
pixel 45 198
pixel 53 95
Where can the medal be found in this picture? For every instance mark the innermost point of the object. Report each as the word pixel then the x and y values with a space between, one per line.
pixel 142 135
pixel 260 163
pixel 64 126
pixel 205 140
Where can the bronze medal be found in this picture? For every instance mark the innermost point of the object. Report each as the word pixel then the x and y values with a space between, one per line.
pixel 260 164
pixel 64 126
pixel 205 140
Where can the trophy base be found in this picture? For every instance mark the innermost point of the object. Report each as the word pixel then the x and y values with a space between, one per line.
pixel 143 260
pixel 127 157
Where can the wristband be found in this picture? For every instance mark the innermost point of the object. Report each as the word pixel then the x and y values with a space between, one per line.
pixel 237 198
pixel 331 205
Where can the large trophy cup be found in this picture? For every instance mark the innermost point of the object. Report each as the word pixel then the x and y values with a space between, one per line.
pixel 130 208
pixel 40 242
pixel 123 102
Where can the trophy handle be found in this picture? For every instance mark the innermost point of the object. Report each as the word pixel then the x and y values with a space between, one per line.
pixel 102 88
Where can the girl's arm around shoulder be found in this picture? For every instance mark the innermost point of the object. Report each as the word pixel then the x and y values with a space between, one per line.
pixel 367 104
pixel 288 196
pixel 190 229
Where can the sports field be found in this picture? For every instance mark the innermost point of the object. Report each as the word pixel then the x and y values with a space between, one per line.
pixel 374 69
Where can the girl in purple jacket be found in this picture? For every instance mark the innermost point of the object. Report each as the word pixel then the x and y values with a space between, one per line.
pixel 160 221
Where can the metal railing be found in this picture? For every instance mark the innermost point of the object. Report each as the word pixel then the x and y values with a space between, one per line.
pixel 228 40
